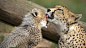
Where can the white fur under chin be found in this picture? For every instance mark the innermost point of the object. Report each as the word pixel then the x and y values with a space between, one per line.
pixel 43 24
pixel 59 26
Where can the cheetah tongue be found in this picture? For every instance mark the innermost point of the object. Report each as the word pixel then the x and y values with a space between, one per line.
pixel 46 19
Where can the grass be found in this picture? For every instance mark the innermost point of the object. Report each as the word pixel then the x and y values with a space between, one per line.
pixel 5 28
pixel 54 45
pixel 2 37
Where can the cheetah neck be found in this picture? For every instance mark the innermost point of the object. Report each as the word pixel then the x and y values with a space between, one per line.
pixel 65 30
pixel 59 26
pixel 73 31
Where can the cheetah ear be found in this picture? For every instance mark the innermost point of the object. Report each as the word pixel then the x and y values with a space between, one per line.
pixel 77 17
pixel 35 12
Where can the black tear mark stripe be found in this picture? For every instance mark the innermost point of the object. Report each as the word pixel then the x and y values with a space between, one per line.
pixel 52 15
pixel 33 14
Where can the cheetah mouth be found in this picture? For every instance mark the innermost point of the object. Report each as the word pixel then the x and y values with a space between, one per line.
pixel 50 17
pixel 47 16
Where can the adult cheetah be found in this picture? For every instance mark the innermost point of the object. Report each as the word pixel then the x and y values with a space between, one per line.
pixel 72 35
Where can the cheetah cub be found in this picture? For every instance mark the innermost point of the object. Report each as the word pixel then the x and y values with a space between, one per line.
pixel 72 35
pixel 28 34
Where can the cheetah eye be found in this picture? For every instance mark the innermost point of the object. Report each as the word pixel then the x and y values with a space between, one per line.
pixel 59 9
pixel 36 13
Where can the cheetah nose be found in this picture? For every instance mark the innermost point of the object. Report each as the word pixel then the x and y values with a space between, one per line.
pixel 48 10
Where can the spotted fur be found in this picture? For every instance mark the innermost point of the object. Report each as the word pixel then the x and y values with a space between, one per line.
pixel 72 35
pixel 28 34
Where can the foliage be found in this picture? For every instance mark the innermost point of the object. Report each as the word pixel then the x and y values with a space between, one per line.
pixel 54 45
pixel 2 37
pixel 5 28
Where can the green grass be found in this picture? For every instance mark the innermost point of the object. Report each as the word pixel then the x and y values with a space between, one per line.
pixel 2 37
pixel 5 28
pixel 54 45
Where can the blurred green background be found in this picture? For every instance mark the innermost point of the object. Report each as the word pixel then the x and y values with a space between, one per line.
pixel 76 6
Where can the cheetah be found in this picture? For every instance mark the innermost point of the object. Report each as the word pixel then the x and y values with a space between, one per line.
pixel 72 35
pixel 28 33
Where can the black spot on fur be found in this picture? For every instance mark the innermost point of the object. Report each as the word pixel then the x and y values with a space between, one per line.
pixel 68 43
pixel 63 13
pixel 79 40
pixel 60 43
pixel 67 31
pixel 75 39
pixel 76 42
pixel 73 35
pixel 63 19
pixel 72 42
pixel 72 16
pixel 80 44
pixel 68 38
pixel 81 47
pixel 82 39
pixel 76 46
pixel 84 44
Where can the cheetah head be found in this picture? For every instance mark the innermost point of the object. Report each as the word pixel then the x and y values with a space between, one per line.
pixel 61 13
pixel 62 17
pixel 40 17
